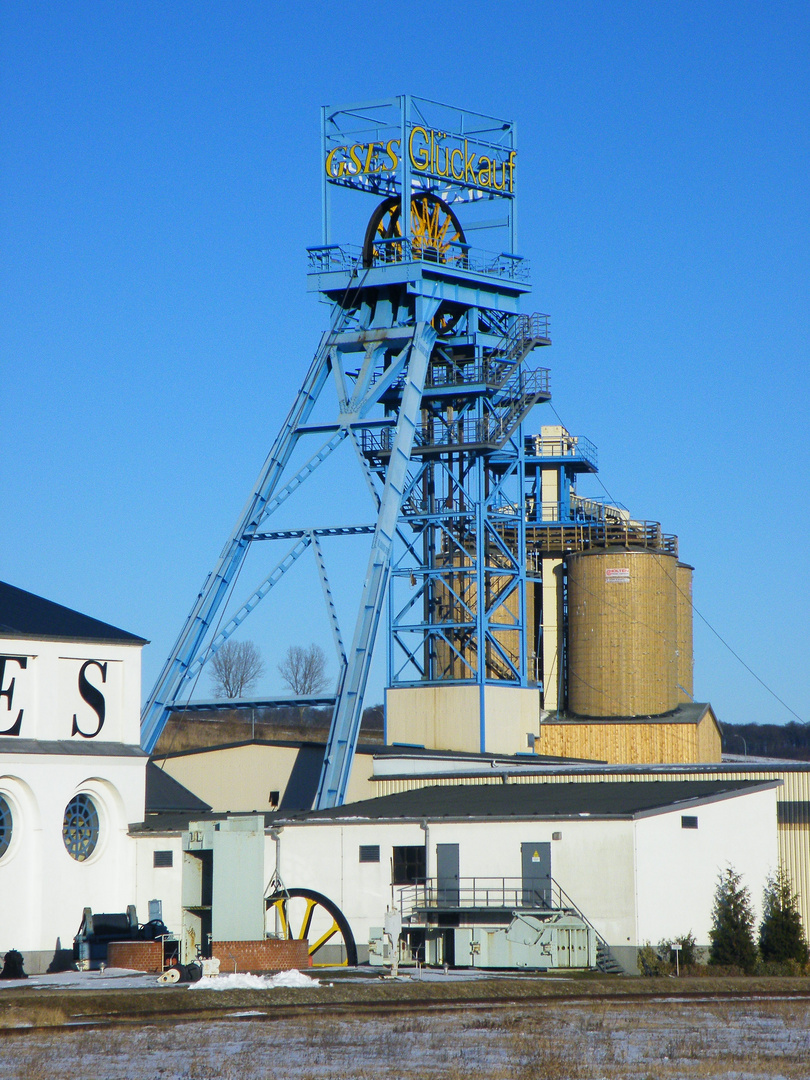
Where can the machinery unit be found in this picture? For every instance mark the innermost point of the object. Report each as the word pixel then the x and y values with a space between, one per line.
pixel 98 931
pixel 536 940
pixel 222 884
pixel 492 923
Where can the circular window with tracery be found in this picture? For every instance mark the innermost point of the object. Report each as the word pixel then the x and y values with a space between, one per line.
pixel 6 824
pixel 80 828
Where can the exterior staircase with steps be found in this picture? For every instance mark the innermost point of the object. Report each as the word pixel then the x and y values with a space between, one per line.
pixel 430 903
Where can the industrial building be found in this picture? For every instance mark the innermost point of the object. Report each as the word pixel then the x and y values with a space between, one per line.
pixel 540 726
pixel 82 804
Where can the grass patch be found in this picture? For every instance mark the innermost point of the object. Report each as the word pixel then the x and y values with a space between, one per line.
pixel 48 1007
pixel 36 1015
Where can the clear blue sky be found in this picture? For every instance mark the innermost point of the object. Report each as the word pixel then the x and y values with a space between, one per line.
pixel 160 182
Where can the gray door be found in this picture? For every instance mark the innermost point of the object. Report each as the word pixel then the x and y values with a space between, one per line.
pixel 536 862
pixel 447 874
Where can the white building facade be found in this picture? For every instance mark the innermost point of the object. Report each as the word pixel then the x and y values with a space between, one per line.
pixel 638 867
pixel 72 773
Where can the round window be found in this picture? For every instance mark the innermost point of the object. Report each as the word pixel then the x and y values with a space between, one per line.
pixel 80 828
pixel 6 824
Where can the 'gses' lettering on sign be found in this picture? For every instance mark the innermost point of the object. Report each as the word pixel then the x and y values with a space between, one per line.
pixel 362 158
pixel 435 153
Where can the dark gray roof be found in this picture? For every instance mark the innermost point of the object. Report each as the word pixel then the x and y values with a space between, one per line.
pixel 26 615
pixel 73 747
pixel 691 712
pixel 496 802
pixel 175 821
pixel 165 795
pixel 482 801
pixel 410 750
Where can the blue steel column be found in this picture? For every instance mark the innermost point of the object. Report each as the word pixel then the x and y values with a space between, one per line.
pixel 347 717
pixel 481 600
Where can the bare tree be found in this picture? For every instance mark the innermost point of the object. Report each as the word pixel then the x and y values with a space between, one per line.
pixel 303 669
pixel 235 667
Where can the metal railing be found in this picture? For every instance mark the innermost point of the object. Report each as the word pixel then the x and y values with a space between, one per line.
pixel 598 510
pixel 524 332
pixel 418 902
pixel 397 250
pixel 553 536
pixel 561 446
pixel 523 385
pixel 490 373
pixel 485 431
pixel 479 893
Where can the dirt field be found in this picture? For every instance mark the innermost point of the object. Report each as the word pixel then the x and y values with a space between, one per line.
pixel 506 1029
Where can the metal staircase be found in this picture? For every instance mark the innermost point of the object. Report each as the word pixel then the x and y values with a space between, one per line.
pixel 493 900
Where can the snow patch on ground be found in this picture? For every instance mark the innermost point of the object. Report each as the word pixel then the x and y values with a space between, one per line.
pixel 254 982
pixel 120 978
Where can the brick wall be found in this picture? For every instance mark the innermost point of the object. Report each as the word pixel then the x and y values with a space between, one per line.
pixel 270 954
pixel 136 955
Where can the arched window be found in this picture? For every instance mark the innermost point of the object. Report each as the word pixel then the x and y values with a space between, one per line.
pixel 6 825
pixel 80 828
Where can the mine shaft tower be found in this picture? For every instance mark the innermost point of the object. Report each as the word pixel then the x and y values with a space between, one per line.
pixel 432 367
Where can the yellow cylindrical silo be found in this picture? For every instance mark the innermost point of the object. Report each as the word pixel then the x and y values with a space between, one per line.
pixel 683 600
pixel 622 633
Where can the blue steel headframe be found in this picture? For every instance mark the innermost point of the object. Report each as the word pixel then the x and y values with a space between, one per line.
pixel 431 365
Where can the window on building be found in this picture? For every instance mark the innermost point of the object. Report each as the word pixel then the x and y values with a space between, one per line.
pixel 410 865
pixel 80 827
pixel 273 799
pixel 688 822
pixel 6 824
pixel 162 858
pixel 369 853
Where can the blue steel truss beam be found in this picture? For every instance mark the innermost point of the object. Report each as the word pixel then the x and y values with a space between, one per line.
pixel 218 584
pixel 329 601
pixel 272 579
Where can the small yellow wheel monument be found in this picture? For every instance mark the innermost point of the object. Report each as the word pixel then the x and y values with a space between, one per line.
pixel 303 914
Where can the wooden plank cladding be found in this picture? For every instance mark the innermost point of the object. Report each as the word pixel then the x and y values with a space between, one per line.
pixel 633 742
pixel 685 654
pixel 622 634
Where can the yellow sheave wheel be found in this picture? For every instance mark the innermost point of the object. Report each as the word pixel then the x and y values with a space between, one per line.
pixel 436 234
pixel 304 914
pixel 434 231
